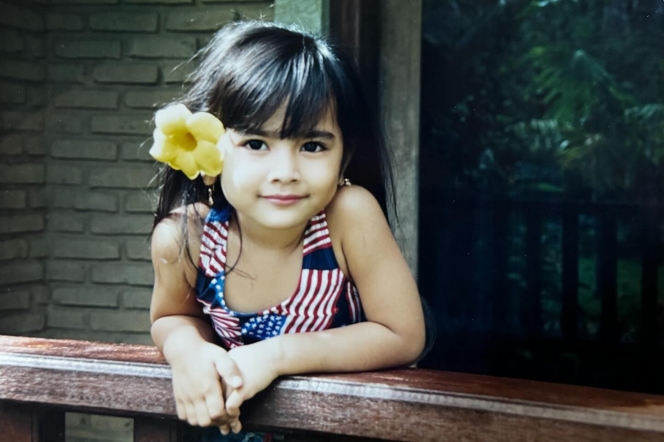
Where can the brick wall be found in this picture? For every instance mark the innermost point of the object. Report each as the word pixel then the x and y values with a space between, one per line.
pixel 23 211
pixel 79 83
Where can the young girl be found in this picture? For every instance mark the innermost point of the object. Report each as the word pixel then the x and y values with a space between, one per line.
pixel 284 263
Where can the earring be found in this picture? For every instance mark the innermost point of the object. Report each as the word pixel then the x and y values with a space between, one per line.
pixel 210 199
pixel 344 182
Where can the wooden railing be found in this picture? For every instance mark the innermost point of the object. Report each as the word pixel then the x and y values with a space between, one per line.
pixel 40 379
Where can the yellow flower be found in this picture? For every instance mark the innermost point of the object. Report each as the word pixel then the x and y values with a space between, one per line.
pixel 188 142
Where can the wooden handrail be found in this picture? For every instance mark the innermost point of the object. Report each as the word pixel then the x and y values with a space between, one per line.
pixel 407 404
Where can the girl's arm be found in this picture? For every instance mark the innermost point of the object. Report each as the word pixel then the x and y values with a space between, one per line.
pixel 185 338
pixel 394 334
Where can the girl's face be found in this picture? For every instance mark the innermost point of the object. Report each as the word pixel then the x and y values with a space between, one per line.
pixel 281 183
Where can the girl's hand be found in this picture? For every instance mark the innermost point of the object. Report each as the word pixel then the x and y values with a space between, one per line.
pixel 257 366
pixel 197 386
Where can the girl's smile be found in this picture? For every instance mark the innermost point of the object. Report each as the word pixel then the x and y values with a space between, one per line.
pixel 284 200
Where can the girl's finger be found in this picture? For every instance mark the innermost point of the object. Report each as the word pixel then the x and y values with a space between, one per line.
pixel 181 410
pixel 225 429
pixel 202 415
pixel 191 413
pixel 233 403
pixel 215 406
pixel 236 426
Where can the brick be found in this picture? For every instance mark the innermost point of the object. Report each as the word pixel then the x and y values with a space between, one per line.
pixel 13 199
pixel 37 97
pixel 22 70
pixel 15 300
pixel 84 199
pixel 20 324
pixel 150 99
pixel 35 45
pixel 65 271
pixel 11 145
pixel 40 295
pixel 132 321
pixel 22 173
pixel 12 93
pixel 21 223
pixel 63 174
pixel 40 248
pixel 92 49
pixel 11 42
pixel 67 319
pixel 17 120
pixel 64 22
pixel 138 249
pixel 122 124
pixel 65 73
pixel 123 22
pixel 86 296
pixel 87 99
pixel 204 41
pixel 162 47
pixel 204 20
pixel 97 201
pixel 34 145
pixel 15 273
pixel 65 123
pixel 13 249
pixel 176 73
pixel 133 274
pixel 161 2
pixel 39 199
pixel 84 150
pixel 126 74
pixel 137 298
pixel 140 202
pixel 90 249
pixel 21 18
pixel 127 178
pixel 66 222
pixel 121 224
pixel 137 151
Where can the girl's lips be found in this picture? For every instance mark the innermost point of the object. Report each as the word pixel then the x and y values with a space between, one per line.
pixel 283 200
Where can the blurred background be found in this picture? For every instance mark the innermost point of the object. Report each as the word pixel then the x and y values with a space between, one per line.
pixel 542 178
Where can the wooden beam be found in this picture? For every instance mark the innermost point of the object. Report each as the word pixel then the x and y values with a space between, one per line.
pixel 408 404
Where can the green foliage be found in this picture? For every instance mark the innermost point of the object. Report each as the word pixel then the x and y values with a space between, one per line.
pixel 574 87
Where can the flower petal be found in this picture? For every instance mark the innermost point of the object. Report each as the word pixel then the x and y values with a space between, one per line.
pixel 172 119
pixel 186 163
pixel 208 158
pixel 162 149
pixel 205 126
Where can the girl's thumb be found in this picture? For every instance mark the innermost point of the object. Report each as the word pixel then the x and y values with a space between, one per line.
pixel 229 372
pixel 233 402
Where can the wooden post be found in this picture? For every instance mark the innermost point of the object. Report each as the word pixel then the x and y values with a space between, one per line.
pixel 399 96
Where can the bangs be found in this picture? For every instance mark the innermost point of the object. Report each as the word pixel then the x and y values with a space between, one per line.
pixel 294 78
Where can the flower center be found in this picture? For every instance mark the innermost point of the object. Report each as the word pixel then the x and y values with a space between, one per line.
pixel 185 140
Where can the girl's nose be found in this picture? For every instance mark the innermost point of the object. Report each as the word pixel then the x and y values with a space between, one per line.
pixel 284 167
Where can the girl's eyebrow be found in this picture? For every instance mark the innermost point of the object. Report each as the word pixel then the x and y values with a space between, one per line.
pixel 310 134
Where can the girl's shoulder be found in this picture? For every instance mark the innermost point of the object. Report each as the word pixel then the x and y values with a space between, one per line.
pixel 352 212
pixel 351 205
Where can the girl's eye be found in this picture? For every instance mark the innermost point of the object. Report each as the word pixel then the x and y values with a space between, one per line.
pixel 255 145
pixel 313 147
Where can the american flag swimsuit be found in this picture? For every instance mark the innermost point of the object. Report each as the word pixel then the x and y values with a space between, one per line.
pixel 323 299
